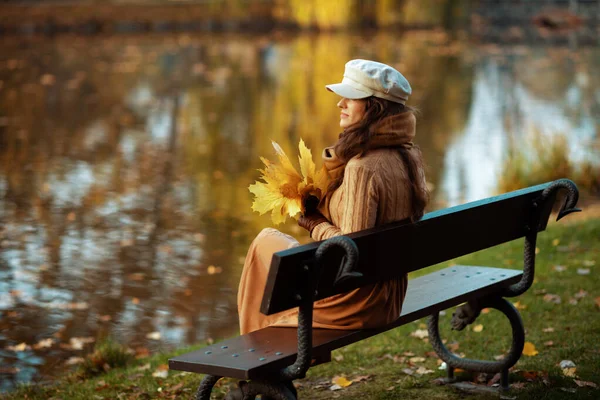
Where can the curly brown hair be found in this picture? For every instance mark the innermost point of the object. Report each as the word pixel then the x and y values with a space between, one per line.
pixel 355 141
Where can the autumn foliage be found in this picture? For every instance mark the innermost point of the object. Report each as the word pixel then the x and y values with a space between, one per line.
pixel 284 191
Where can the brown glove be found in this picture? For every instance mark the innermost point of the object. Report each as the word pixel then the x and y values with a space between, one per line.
pixel 309 222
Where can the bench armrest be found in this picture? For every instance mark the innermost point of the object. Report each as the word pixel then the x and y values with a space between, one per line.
pixel 568 207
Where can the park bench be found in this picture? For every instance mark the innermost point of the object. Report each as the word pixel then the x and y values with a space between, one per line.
pixel 271 358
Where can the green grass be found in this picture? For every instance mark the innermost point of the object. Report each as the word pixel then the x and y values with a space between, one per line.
pixel 575 337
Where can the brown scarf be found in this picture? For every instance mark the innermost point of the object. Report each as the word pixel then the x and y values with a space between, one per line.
pixel 391 132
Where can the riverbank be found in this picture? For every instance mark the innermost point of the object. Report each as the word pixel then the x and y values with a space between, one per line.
pixel 560 313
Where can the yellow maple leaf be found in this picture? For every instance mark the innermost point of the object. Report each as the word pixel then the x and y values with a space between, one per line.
pixel 529 349
pixel 570 372
pixel 341 381
pixel 519 306
pixel 284 189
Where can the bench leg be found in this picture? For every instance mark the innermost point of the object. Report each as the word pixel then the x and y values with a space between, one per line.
pixel 206 386
pixel 504 379
pixel 502 366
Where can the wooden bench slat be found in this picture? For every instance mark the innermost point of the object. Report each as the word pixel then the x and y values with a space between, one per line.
pixel 394 249
pixel 426 295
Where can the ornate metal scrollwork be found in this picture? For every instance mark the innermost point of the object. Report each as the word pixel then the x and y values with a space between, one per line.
pixel 567 208
pixel 206 386
pixel 281 387
pixel 348 269
pixel 470 313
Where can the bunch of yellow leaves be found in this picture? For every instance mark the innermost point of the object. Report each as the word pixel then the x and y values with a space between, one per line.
pixel 285 191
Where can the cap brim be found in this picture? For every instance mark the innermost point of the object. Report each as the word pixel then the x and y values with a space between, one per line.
pixel 347 91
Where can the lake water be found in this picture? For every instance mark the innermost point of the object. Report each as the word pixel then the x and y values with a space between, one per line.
pixel 125 163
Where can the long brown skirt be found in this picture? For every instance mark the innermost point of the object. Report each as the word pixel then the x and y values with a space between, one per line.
pixel 368 307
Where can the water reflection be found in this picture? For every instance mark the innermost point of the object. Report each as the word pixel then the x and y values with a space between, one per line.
pixel 125 162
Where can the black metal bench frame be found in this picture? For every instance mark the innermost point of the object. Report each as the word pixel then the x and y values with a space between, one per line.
pixel 319 270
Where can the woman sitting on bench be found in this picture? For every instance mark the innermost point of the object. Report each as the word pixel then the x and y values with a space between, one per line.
pixel 376 177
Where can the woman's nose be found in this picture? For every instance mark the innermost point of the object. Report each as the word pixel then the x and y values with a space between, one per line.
pixel 342 103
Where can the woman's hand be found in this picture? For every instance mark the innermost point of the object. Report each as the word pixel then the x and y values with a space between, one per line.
pixel 309 222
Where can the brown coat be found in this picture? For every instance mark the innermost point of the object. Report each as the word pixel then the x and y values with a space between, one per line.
pixel 375 191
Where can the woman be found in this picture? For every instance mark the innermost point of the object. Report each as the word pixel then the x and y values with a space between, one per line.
pixel 377 177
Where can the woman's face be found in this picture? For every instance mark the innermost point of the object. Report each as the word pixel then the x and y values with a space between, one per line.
pixel 352 111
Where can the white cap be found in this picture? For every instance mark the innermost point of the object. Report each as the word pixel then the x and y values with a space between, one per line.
pixel 364 78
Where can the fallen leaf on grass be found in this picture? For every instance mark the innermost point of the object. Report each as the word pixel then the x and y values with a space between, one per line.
pixel 597 301
pixel 583 271
pixel 549 343
pixel 409 354
pixel 552 298
pixel 548 330
pixel 341 381
pixel 589 263
pixel 416 359
pixel 559 268
pixel 453 346
pixel 162 371
pixel 555 242
pixel 529 349
pixel 485 311
pixel 141 352
pixel 420 333
pixel 361 378
pixel 478 328
pixel 423 371
pixel 581 294
pixel 391 388
pixel 570 372
pixel 9 370
pixel 529 375
pixel 144 367
pixel 339 357
pixel 585 383
pixel 519 306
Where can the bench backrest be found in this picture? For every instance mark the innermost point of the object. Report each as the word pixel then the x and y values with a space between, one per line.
pixel 392 250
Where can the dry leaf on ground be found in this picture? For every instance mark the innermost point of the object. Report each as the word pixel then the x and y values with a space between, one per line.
pixel 341 381
pixel 420 333
pixel 423 371
pixel 585 383
pixel 552 298
pixel 519 306
pixel 478 328
pixel 529 349
pixel 583 271
pixel 361 378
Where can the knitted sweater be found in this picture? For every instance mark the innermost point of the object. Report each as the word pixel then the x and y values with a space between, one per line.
pixel 375 191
